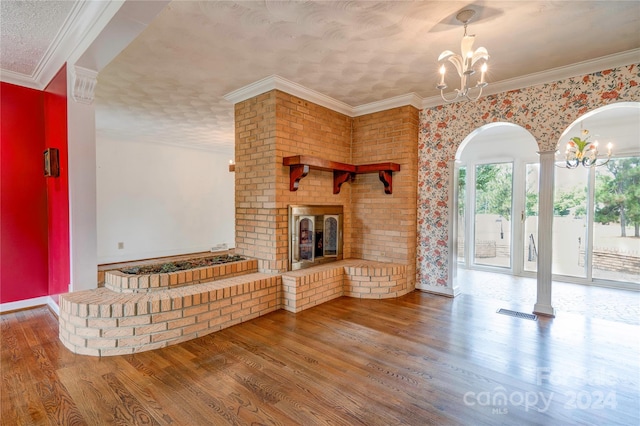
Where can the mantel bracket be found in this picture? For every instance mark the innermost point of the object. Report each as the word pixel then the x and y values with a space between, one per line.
pixel 297 172
pixel 340 177
pixel 386 177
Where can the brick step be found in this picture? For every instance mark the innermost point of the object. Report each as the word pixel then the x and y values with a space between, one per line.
pixel 305 288
pixel 102 322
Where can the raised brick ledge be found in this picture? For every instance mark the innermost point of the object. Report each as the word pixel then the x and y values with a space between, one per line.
pixel 352 267
pixel 305 288
pixel 101 322
pixel 127 283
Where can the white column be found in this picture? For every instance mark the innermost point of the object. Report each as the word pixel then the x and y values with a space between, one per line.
pixel 545 233
pixel 452 246
pixel 81 139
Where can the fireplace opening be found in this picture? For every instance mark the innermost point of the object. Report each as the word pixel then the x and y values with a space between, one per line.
pixel 315 235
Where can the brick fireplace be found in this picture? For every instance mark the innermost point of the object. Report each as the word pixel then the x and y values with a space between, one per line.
pixel 374 255
pixel 377 226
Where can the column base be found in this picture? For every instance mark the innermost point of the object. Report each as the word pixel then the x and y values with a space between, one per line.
pixel 546 310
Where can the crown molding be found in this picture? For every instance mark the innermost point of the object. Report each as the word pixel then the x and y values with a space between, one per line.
pixel 53 57
pixel 86 18
pixel 578 69
pixel 279 83
pixel 412 99
pixel 555 74
pixel 60 47
pixel 18 79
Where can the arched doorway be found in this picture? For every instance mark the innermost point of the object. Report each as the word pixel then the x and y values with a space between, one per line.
pixel 496 177
pixel 582 239
pixel 596 230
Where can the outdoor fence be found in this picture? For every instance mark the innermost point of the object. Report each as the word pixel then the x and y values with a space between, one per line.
pixel 613 260
pixel 486 249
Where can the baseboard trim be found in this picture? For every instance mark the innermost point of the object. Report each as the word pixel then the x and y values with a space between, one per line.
pixel 20 305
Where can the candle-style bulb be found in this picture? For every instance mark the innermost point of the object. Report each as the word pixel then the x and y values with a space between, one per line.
pixel 483 70
pixel 442 71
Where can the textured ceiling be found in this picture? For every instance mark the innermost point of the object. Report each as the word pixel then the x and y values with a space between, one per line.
pixel 28 30
pixel 168 85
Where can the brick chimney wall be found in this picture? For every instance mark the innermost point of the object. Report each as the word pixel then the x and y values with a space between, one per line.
pixel 255 179
pixel 307 128
pixel 383 226
pixel 275 125
pixel 270 127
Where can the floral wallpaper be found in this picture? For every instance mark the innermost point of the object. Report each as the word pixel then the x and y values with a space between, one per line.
pixel 544 110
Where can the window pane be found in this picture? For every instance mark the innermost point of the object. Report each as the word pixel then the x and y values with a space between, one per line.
pixel 306 248
pixel 462 194
pixel 531 218
pixel 331 235
pixel 616 242
pixel 570 221
pixel 492 242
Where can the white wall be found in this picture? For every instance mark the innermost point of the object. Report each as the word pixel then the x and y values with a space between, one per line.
pixel 161 200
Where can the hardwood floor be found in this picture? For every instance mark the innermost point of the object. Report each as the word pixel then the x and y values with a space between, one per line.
pixel 420 359
pixel 520 293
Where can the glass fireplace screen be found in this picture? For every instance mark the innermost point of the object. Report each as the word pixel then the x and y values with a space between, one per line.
pixel 315 235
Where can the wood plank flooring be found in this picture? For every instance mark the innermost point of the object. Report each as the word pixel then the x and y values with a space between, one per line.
pixel 416 360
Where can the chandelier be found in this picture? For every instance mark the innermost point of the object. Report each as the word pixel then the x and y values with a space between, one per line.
pixel 580 151
pixel 465 64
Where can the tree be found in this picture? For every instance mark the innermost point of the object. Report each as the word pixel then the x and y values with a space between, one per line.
pixel 565 201
pixel 618 194
pixel 485 175
pixel 462 185
pixel 493 189
pixel 532 191
pixel 532 204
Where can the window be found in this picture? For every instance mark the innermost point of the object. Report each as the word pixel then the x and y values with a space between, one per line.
pixel 494 188
pixel 616 228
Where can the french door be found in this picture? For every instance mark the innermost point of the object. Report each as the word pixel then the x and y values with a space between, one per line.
pixel 596 221
pixel 595 229
pixel 492 218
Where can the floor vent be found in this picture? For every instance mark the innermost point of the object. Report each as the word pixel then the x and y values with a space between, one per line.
pixel 517 314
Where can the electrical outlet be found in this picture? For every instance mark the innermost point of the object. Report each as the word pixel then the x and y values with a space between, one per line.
pixel 120 245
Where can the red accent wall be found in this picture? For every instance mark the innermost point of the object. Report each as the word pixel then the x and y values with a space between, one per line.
pixel 55 136
pixel 23 195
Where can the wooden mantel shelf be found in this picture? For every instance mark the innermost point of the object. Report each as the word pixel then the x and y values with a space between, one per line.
pixel 299 166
